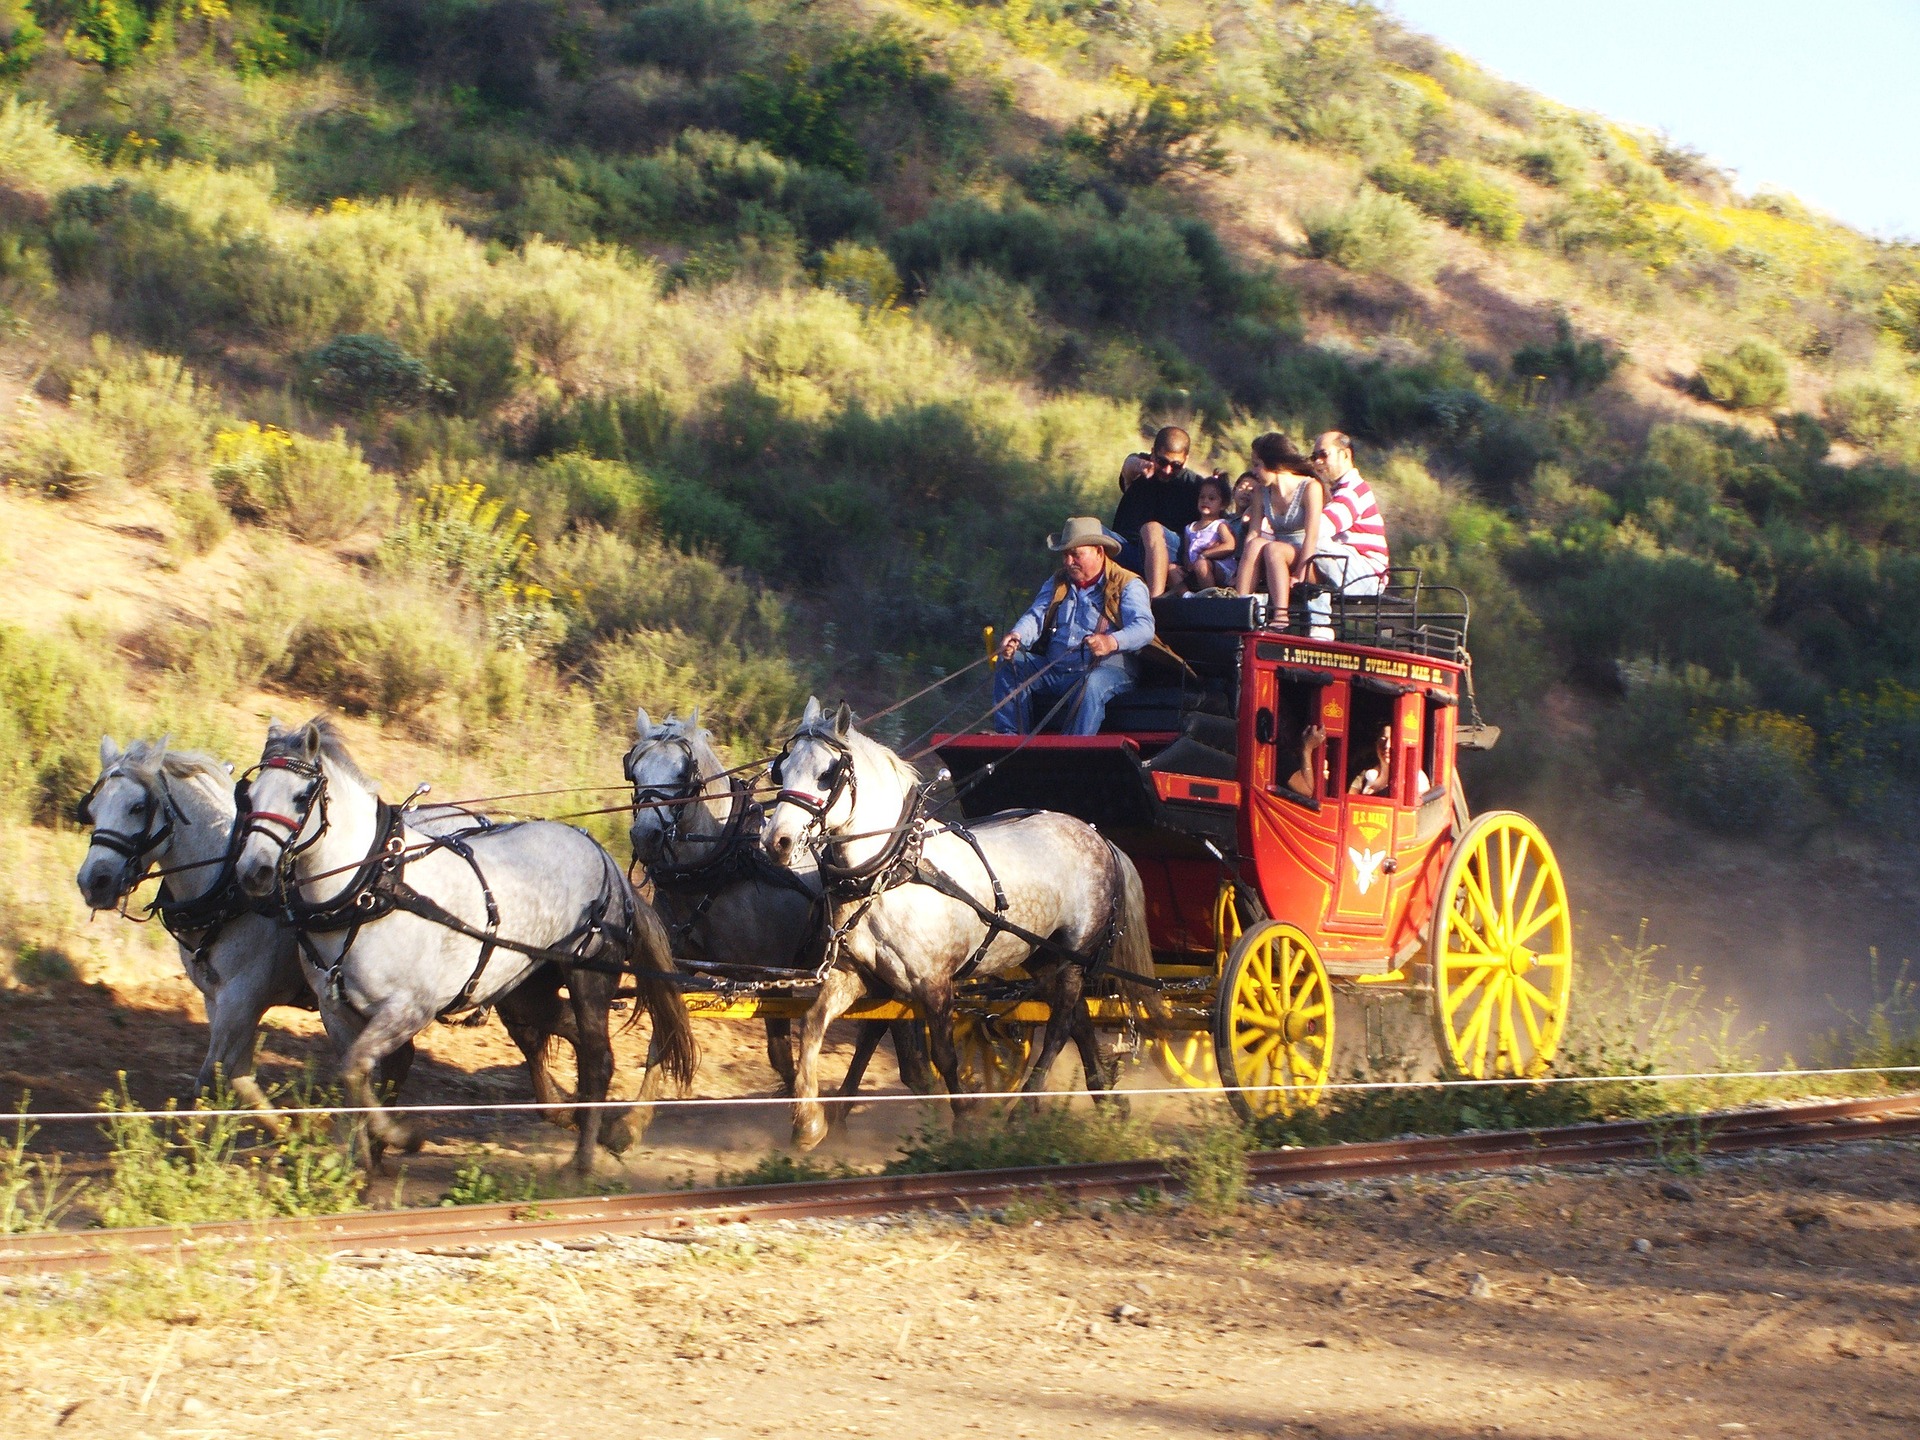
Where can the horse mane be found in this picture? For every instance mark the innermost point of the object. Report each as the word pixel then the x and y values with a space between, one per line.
pixel 148 761
pixel 706 759
pixel 333 748
pixel 822 728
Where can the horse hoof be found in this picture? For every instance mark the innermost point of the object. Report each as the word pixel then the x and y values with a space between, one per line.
pixel 809 1132
pixel 622 1133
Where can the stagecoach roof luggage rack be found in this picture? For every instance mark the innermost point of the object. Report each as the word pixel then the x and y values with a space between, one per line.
pixel 1408 615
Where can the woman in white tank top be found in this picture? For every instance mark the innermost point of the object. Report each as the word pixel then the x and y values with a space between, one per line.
pixel 1284 527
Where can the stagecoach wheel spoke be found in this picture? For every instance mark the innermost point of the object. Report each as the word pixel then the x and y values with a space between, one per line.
pixel 993 1054
pixel 1186 1058
pixel 1501 932
pixel 1273 1021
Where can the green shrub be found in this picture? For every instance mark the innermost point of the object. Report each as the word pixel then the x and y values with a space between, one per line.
pixel 1745 774
pixel 1170 132
pixel 1456 193
pixel 478 362
pixel 698 37
pixel 193 1167
pixel 1212 1167
pixel 1553 158
pixel 992 316
pixel 160 416
pixel 389 653
pixel 1900 314
pixel 319 490
pixel 34 1191
pixel 1577 366
pixel 578 489
pixel 1371 234
pixel 20 38
pixel 808 112
pixel 745 696
pixel 61 453
pixel 1751 376
pixel 1056 1135
pixel 58 694
pixel 861 273
pixel 782 1169
pixel 370 372
pixel 203 520
pixel 1870 761
pixel 1863 412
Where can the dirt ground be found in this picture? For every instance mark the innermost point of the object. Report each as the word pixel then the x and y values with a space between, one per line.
pixel 1782 1298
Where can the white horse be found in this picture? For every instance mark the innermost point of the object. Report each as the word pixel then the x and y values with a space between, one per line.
pixel 696 829
pixel 153 806
pixel 919 906
pixel 398 927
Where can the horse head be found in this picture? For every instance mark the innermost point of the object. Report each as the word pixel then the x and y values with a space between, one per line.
pixel 132 817
pixel 669 766
pixel 284 800
pixel 819 789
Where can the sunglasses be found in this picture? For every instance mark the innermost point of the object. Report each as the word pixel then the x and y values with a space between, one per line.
pixel 1166 462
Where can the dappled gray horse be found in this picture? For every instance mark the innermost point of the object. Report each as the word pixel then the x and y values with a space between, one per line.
pixel 696 829
pixel 156 807
pixel 919 906
pixel 398 927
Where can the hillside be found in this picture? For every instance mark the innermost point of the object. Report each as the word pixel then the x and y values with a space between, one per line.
pixel 482 368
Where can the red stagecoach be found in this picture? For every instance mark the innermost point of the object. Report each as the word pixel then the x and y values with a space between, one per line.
pixel 1262 899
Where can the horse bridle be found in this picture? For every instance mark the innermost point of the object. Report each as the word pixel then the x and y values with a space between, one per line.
pixel 310 800
pixel 673 802
pixel 839 778
pixel 131 848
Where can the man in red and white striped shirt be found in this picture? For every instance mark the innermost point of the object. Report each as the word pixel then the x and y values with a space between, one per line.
pixel 1352 553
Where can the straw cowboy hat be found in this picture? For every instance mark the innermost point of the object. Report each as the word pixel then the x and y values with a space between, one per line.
pixel 1083 530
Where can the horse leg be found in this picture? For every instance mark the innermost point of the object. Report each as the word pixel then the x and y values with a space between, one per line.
pixel 837 994
pixel 910 1054
pixel 1101 1077
pixel 935 1000
pixel 780 1052
pixel 387 1031
pixel 1063 1002
pixel 866 1040
pixel 533 1015
pixel 592 999
pixel 234 1011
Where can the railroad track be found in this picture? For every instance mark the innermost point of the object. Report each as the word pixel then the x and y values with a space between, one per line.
pixel 1826 1122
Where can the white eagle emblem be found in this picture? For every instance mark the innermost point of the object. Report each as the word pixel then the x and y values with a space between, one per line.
pixel 1366 867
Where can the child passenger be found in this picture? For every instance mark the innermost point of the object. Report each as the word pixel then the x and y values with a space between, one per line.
pixel 1210 542
pixel 1284 526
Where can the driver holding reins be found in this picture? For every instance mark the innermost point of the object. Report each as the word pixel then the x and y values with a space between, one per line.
pixel 1081 630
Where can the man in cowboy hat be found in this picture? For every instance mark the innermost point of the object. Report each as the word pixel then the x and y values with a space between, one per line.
pixel 1081 629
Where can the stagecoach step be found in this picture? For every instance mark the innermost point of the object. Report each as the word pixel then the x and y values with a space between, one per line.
pixel 1477 737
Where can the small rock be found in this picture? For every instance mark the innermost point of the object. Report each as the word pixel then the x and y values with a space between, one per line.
pixel 1674 1190
pixel 1643 1246
pixel 1804 1217
pixel 1316 1344
pixel 193 1407
pixel 1343 1297
pixel 1096 1331
pixel 1128 1314
pixel 1479 1287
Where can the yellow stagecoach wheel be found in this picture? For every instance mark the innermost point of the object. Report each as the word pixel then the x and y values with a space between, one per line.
pixel 1502 951
pixel 1273 1021
pixel 993 1053
pixel 1186 1058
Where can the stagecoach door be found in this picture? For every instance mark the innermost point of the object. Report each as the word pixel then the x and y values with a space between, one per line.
pixel 1364 847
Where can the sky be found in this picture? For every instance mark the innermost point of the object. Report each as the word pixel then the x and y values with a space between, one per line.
pixel 1817 99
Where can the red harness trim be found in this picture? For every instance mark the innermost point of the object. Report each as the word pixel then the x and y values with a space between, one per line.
pixel 293 826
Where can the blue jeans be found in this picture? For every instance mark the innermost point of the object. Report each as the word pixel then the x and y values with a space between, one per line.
pixel 1084 714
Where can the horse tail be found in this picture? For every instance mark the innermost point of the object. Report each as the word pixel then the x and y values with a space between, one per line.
pixel 1132 952
pixel 650 960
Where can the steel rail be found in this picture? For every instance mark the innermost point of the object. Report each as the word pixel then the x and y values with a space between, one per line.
pixel 1827 1122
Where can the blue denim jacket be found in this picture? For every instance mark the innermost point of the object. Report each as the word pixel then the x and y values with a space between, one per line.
pixel 1080 617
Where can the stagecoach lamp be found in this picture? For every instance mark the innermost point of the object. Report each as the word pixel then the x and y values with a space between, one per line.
pixel 993 656
pixel 944 776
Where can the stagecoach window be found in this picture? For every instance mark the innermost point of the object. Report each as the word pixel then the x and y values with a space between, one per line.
pixel 1299 707
pixel 1373 715
pixel 1430 754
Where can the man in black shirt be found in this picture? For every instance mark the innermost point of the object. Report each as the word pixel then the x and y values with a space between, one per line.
pixel 1155 509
